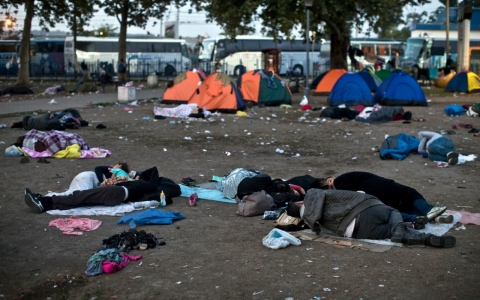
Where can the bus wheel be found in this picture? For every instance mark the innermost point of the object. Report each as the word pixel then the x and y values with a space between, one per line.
pixel 298 68
pixel 170 70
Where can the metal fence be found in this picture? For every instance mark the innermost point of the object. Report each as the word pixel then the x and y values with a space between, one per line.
pixel 136 70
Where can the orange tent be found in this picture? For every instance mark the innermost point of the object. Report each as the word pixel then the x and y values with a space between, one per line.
pixel 184 85
pixel 218 92
pixel 266 88
pixel 328 80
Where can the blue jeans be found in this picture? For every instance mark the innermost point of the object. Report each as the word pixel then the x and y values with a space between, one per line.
pixel 419 207
pixel 439 148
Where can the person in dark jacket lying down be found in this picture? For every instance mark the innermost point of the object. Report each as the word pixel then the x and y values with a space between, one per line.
pixel 411 204
pixel 66 119
pixel 360 216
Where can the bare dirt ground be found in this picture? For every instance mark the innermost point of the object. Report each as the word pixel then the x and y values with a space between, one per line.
pixel 215 254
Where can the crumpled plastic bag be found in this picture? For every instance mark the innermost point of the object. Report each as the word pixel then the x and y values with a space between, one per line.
pixel 277 239
pixel 13 151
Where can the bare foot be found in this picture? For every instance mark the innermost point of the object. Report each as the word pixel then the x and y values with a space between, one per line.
pixel 10 125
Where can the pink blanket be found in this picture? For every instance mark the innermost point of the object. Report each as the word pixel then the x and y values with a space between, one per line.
pixel 467 217
pixel 72 223
pixel 110 267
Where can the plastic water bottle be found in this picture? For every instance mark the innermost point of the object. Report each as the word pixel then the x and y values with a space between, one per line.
pixel 162 199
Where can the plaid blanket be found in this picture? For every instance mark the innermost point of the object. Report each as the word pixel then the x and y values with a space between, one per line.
pixel 54 140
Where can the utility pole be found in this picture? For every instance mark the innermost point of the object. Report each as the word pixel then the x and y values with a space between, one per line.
pixel 447 27
pixel 178 24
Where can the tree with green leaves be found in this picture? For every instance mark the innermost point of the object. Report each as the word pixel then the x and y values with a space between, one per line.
pixel 104 30
pixel 280 18
pixel 134 13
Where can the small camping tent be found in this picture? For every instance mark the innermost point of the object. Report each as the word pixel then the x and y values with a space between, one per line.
pixel 184 85
pixel 328 80
pixel 441 82
pixel 400 89
pixel 370 79
pixel 218 92
pixel 350 90
pixel 465 81
pixel 383 74
pixel 264 88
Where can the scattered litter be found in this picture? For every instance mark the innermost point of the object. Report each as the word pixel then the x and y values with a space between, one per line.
pixel 354 158
pixel 207 131
pixel 228 153
pixel 52 102
pixel 442 164
pixel 204 150
pixel 141 263
pixel 279 151
pixel 336 268
pixel 461 227
pixel 178 282
pixel 127 109
pixel 3 125
pixel 136 277
pixel 326 290
pixel 120 137
pixel 256 293
pixel 189 139
pixel 165 149
pixel 146 118
pixel 381 285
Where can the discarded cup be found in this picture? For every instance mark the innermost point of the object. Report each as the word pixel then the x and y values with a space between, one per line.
pixel 172 122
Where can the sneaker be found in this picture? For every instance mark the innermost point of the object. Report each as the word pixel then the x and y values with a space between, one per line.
pixel 444 219
pixel 453 161
pixel 442 241
pixel 435 212
pixel 421 220
pixel 32 201
pixel 193 199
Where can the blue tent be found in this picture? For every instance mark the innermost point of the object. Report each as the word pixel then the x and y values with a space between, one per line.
pixel 370 79
pixel 400 89
pixel 350 90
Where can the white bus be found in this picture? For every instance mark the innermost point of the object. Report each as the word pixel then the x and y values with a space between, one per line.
pixel 384 48
pixel 163 56
pixel 247 51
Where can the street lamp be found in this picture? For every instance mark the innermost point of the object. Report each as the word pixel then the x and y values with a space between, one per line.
pixel 308 6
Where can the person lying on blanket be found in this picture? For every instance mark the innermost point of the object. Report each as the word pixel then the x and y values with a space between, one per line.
pixel 411 204
pixel 360 216
pixel 66 119
pixel 130 191
pixel 102 176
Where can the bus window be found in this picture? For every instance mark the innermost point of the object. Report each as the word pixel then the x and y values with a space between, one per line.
pixel 185 51
pixel 105 47
pixel 140 47
pixel 368 49
pixel 85 46
pixel 383 49
pixel 158 47
pixel 7 47
pixel 68 44
pixel 173 47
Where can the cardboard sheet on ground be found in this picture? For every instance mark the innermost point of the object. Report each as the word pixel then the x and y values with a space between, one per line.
pixel 327 237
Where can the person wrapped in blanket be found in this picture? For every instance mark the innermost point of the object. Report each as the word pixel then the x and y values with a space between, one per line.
pixel 66 119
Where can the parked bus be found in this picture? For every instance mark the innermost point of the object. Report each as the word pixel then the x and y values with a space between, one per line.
pixel 247 51
pixel 162 56
pixel 383 48
pixel 429 52
pixel 46 57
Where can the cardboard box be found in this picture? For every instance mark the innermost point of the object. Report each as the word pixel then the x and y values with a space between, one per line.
pixel 126 93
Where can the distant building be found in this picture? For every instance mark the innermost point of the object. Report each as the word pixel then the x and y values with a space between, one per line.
pixel 438 28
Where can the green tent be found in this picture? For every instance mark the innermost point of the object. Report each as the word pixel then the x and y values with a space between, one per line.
pixel 383 74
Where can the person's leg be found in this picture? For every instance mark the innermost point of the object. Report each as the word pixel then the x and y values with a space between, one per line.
pixel 439 148
pixel 107 196
pixel 102 173
pixel 422 206
pixel 373 223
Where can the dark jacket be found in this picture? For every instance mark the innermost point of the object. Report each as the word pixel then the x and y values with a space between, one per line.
pixel 388 191
pixel 335 209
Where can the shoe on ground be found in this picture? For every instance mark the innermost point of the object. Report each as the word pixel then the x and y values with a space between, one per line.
pixel 453 161
pixel 442 241
pixel 452 155
pixel 444 219
pixel 435 212
pixel 421 220
pixel 411 240
pixel 32 201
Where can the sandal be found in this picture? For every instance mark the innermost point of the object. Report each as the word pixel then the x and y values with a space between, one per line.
pixel 188 181
pixel 418 119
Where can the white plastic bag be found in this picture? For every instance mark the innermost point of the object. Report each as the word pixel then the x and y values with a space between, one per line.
pixel 277 239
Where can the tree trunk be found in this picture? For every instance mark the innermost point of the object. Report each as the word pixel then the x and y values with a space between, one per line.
pixel 122 39
pixel 23 78
pixel 338 51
